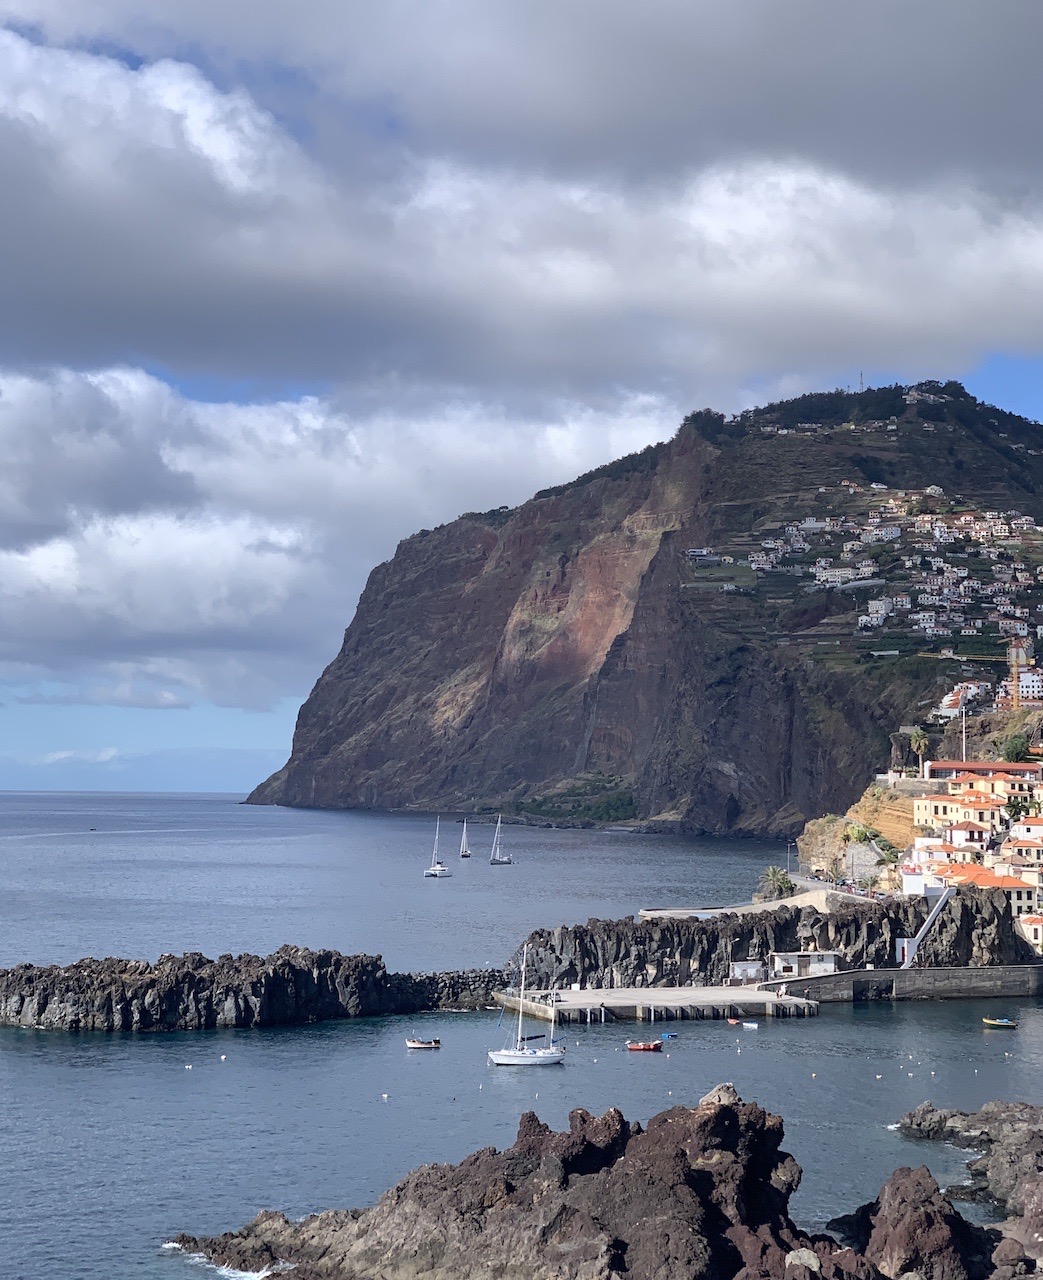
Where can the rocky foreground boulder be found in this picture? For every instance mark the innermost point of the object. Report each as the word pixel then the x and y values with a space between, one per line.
pixel 700 1194
pixel 193 993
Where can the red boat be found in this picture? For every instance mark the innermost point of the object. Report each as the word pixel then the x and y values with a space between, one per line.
pixel 645 1046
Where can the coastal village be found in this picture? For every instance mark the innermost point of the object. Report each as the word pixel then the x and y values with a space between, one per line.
pixel 914 563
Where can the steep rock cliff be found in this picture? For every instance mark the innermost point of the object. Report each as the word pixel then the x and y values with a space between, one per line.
pixel 563 657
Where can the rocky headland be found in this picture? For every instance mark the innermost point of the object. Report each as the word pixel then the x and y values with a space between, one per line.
pixel 570 659
pixel 701 1193
pixel 193 993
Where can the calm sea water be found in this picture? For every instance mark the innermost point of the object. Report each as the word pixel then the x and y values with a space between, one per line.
pixel 110 1145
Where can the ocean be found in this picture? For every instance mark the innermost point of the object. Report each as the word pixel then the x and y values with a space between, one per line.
pixel 111 1146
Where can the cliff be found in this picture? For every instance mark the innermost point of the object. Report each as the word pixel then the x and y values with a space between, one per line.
pixel 566 659
pixel 701 1194
pixel 192 993
pixel 974 928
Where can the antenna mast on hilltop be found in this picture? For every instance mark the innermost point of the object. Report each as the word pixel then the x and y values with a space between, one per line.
pixel 861 381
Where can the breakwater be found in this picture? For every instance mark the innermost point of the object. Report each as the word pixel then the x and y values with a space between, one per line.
pixel 1006 981
pixel 974 929
pixel 193 993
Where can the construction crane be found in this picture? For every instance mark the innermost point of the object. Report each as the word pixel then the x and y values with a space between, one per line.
pixel 1017 657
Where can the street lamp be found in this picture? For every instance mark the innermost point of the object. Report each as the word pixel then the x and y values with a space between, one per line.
pixel 789 845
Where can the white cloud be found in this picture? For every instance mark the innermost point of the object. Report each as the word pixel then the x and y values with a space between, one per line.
pixel 234 585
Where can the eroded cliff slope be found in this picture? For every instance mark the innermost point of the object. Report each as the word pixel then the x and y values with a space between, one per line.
pixel 567 658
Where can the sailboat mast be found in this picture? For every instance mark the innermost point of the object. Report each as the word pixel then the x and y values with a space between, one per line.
pixel 521 997
pixel 434 853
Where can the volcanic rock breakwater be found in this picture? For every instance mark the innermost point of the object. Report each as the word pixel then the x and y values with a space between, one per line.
pixel 194 993
pixel 974 928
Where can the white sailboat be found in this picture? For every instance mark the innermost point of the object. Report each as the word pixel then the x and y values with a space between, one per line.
pixel 498 858
pixel 437 869
pixel 520 1053
pixel 465 850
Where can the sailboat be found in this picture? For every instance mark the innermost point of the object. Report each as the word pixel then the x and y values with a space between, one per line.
pixel 498 859
pixel 521 1053
pixel 465 851
pixel 437 869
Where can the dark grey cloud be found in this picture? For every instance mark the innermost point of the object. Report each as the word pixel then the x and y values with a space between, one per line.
pixel 892 91
pixel 500 242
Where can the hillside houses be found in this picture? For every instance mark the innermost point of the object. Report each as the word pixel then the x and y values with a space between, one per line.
pixel 949 573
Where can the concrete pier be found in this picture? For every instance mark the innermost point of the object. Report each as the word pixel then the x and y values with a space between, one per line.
pixel 661 1004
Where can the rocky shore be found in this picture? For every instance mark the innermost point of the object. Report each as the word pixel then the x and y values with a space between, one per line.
pixel 1008 1172
pixel 194 993
pixel 702 1193
pixel 974 928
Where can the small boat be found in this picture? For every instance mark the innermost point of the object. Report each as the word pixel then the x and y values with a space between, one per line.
pixel 521 1053
pixel 423 1044
pixel 497 858
pixel 645 1046
pixel 669 1035
pixel 437 870
pixel 1001 1024
pixel 465 851
pixel 751 1026
pixel 734 1022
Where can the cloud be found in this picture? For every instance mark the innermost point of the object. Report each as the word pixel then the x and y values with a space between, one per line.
pixel 228 573
pixel 889 91
pixel 436 257
pixel 154 219
pixel 104 755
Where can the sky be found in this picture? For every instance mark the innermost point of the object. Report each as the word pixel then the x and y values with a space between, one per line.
pixel 281 284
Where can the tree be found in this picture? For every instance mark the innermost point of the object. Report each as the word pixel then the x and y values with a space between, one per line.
pixel 919 742
pixel 1015 808
pixel 856 833
pixel 1015 748
pixel 888 857
pixel 834 867
pixel 775 883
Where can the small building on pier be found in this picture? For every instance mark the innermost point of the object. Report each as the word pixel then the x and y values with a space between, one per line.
pixel 802 964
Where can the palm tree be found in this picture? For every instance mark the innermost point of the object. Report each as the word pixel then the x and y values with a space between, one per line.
pixel 1015 808
pixel 775 883
pixel 834 867
pixel 919 742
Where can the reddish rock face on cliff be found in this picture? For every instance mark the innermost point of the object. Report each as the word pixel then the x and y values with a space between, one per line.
pixel 565 658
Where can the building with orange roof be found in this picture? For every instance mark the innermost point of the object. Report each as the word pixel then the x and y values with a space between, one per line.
pixel 936 812
pixel 1030 926
pixel 946 769
pixel 1021 894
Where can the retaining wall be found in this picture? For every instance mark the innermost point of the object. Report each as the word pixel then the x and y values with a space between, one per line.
pixel 964 983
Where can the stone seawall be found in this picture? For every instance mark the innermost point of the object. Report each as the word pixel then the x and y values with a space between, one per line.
pixel 973 929
pixel 999 981
pixel 194 993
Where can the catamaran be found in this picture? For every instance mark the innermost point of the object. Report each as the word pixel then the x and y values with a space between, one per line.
pixel 521 1053
pixel 498 858
pixel 437 869
pixel 465 851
